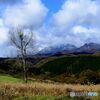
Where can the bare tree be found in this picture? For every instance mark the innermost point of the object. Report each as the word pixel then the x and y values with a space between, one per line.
pixel 23 40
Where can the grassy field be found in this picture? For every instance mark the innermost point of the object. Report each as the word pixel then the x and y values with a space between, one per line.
pixel 14 89
pixel 47 85
pixel 9 79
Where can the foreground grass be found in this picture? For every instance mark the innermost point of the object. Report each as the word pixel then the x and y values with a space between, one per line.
pixel 14 89
pixel 43 91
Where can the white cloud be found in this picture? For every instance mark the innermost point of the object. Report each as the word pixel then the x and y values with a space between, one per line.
pixel 77 22
pixel 31 13
pixel 76 12
pixel 3 33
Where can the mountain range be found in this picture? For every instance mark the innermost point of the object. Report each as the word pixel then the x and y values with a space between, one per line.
pixel 88 48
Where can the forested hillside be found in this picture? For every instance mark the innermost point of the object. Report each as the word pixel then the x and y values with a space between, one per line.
pixel 70 69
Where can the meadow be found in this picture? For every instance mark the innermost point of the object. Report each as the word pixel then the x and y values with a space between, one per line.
pixel 14 89
pixel 52 78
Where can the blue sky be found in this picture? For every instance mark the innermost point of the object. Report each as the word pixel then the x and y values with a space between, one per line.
pixel 54 22
pixel 53 5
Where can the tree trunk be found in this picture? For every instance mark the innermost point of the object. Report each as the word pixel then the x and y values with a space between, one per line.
pixel 24 64
pixel 24 70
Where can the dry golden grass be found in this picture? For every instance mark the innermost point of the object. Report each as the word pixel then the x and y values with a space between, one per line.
pixel 33 89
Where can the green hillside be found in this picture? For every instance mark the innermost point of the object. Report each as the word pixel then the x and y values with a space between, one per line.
pixel 69 69
pixel 72 64
pixel 76 68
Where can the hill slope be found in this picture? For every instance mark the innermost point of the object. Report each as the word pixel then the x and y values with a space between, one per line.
pixel 82 69
pixel 75 64
pixel 69 69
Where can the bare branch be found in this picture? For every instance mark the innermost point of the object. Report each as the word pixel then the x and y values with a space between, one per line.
pixel 30 39
pixel 22 42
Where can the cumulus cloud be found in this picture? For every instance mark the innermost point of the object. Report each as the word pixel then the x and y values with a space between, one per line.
pixel 3 33
pixel 77 22
pixel 4 48
pixel 31 14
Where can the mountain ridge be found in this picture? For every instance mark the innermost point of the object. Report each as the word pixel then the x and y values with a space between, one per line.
pixel 87 48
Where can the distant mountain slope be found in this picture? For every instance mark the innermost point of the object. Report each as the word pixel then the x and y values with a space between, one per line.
pixel 88 48
pixel 57 49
